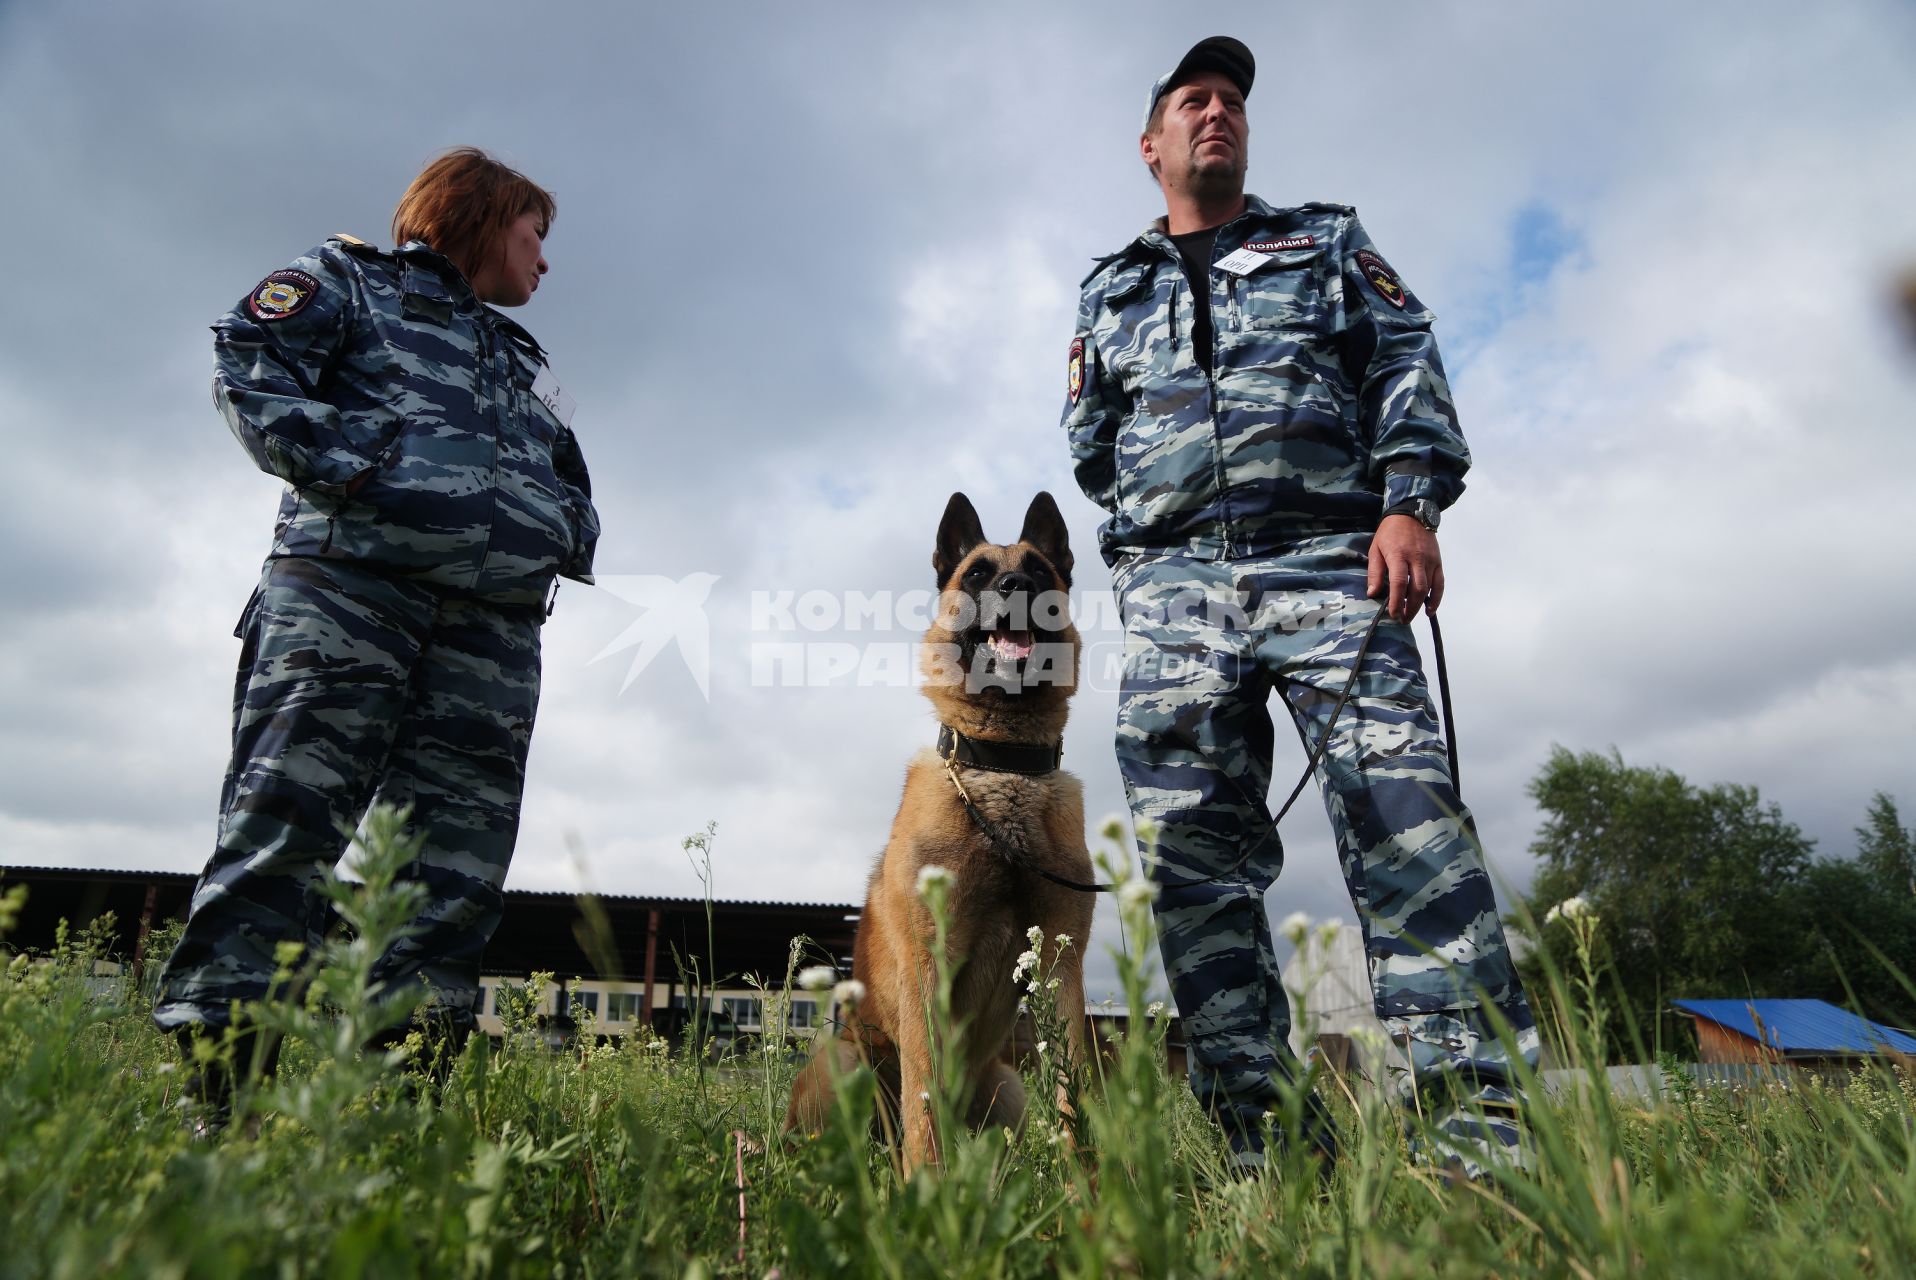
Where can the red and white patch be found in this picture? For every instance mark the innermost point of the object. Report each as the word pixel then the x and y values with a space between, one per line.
pixel 1074 372
pixel 282 294
pixel 1382 278
pixel 1280 246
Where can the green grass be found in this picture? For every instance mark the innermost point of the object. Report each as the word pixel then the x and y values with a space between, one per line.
pixel 626 1161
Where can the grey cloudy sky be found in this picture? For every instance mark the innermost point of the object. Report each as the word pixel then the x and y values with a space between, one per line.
pixel 814 268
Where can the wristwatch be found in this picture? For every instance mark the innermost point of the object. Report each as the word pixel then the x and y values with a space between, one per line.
pixel 1422 510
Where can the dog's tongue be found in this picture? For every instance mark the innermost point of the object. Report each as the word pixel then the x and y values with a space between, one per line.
pixel 1010 645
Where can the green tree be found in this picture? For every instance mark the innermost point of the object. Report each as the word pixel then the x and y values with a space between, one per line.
pixel 1862 910
pixel 1885 848
pixel 1697 889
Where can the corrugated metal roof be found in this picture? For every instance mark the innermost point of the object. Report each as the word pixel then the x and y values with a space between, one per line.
pixel 1802 1026
pixel 188 877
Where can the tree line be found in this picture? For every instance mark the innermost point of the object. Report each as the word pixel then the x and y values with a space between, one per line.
pixel 1710 893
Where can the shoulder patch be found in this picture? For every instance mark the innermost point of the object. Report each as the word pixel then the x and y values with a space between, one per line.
pixel 282 294
pixel 343 238
pixel 1326 206
pixel 1382 278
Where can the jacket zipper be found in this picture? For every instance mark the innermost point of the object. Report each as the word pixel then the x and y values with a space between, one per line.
pixel 1210 383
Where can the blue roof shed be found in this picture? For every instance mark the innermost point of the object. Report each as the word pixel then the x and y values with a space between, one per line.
pixel 1801 1028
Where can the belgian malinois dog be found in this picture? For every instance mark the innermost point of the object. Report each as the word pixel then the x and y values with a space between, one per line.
pixel 991 807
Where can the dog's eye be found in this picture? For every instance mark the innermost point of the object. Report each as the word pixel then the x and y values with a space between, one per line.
pixel 976 574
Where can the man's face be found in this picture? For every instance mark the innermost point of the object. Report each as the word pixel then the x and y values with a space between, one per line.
pixel 1202 139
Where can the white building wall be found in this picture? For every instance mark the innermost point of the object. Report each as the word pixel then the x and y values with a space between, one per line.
pixel 1328 982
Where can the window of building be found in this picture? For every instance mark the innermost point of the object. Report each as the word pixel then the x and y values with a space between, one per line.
pixel 586 1000
pixel 804 1014
pixel 623 1006
pixel 742 1010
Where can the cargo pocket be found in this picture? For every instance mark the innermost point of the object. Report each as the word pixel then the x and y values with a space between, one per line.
pixel 1285 293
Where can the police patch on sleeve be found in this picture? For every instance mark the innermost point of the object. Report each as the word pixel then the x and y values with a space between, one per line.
pixel 1382 278
pixel 282 294
pixel 1074 373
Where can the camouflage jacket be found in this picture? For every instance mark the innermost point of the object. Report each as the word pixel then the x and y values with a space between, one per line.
pixel 399 410
pixel 1327 401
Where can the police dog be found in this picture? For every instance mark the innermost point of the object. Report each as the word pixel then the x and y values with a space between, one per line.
pixel 1001 664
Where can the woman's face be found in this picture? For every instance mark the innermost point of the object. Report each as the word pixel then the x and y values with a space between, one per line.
pixel 512 276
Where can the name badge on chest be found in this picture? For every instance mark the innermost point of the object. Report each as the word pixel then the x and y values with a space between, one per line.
pixel 553 396
pixel 1243 261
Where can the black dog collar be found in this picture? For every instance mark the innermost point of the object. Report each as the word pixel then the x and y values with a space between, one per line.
pixel 1028 758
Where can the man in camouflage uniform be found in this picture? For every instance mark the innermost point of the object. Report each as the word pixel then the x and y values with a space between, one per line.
pixel 391 648
pixel 1257 400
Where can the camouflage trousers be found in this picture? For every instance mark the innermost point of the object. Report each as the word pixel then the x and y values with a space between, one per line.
pixel 353 686
pixel 1206 644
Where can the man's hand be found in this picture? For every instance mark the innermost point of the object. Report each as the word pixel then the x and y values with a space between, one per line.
pixel 1404 555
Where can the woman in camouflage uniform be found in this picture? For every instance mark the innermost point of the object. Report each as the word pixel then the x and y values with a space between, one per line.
pixel 434 492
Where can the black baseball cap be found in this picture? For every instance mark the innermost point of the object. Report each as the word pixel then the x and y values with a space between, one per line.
pixel 1214 53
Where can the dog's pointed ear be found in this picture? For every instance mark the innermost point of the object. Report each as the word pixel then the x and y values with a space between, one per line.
pixel 958 533
pixel 1044 529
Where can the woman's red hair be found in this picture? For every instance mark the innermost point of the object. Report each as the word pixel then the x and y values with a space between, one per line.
pixel 462 203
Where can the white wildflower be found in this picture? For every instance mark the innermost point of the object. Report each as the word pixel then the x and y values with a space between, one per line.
pixel 849 992
pixel 1327 931
pixel 1027 963
pixel 931 875
pixel 817 977
pixel 1035 936
pixel 1296 925
pixel 1064 941
pixel 1137 891
pixel 1112 828
pixel 1054 984
pixel 1573 908
pixel 1155 1009
pixel 1043 1045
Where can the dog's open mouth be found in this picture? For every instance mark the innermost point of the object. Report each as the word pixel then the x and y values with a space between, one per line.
pixel 1002 657
pixel 1009 647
